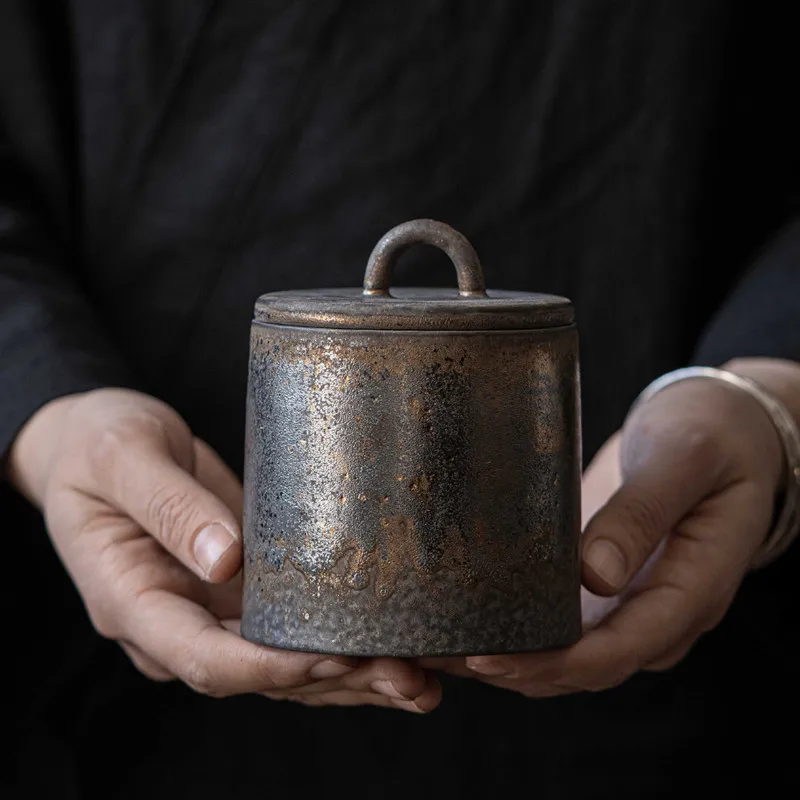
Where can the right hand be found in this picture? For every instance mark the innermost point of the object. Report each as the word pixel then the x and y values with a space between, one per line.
pixel 145 517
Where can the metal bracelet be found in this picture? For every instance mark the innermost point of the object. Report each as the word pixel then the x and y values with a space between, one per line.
pixel 787 526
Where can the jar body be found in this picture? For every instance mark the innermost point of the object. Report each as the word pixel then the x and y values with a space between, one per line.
pixel 412 493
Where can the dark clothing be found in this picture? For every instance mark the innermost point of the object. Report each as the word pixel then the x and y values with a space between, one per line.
pixel 163 162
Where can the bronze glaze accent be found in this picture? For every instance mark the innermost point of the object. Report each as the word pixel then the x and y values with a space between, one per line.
pixel 413 491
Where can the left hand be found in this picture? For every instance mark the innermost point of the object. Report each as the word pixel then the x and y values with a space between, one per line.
pixel 135 506
pixel 678 503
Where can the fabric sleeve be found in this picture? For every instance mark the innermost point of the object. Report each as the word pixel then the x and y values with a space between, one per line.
pixel 51 342
pixel 761 317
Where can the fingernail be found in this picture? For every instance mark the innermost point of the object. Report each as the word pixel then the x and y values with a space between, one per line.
pixel 329 669
pixel 607 562
pixel 389 689
pixel 211 544
pixel 487 667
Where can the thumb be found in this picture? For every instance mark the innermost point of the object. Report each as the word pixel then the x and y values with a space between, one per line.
pixel 668 468
pixel 143 481
pixel 213 473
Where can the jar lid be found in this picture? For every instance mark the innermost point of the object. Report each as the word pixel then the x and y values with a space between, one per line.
pixel 377 307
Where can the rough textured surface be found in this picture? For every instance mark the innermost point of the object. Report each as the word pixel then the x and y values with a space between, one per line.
pixel 412 493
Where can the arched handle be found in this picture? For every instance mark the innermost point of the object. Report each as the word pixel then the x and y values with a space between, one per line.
pixel 393 244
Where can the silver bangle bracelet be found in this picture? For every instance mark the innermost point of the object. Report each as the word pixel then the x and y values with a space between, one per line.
pixel 787 526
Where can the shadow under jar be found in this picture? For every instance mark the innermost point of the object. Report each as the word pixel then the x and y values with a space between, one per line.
pixel 412 466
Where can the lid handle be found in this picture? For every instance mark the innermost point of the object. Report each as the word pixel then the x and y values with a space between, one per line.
pixel 424 231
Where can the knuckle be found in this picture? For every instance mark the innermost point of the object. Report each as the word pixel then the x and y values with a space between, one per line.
pixel 107 453
pixel 111 445
pixel 107 445
pixel 197 676
pixel 642 524
pixel 644 513
pixel 171 511
pixel 104 622
pixel 278 677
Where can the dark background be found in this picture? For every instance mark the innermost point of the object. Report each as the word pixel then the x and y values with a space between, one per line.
pixel 79 712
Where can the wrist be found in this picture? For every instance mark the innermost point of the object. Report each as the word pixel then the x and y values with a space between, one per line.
pixel 780 377
pixel 775 385
pixel 33 449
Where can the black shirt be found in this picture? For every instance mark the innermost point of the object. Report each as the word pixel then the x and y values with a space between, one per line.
pixel 163 163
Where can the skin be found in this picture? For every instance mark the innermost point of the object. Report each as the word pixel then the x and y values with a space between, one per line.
pixel 146 519
pixel 677 504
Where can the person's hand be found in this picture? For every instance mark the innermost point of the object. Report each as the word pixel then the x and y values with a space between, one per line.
pixel 678 503
pixel 145 518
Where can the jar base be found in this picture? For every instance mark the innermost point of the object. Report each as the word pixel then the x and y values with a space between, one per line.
pixel 435 616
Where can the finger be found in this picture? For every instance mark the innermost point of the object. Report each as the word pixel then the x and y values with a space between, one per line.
pixel 213 473
pixel 111 559
pixel 451 666
pixel 601 479
pixel 595 608
pixel 191 644
pixel 606 655
pixel 546 674
pixel 146 665
pixel 391 677
pixel 350 698
pixel 400 680
pixel 681 597
pixel 224 600
pixel 672 657
pixel 430 698
pixel 338 698
pixel 426 701
pixel 669 465
pixel 187 519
